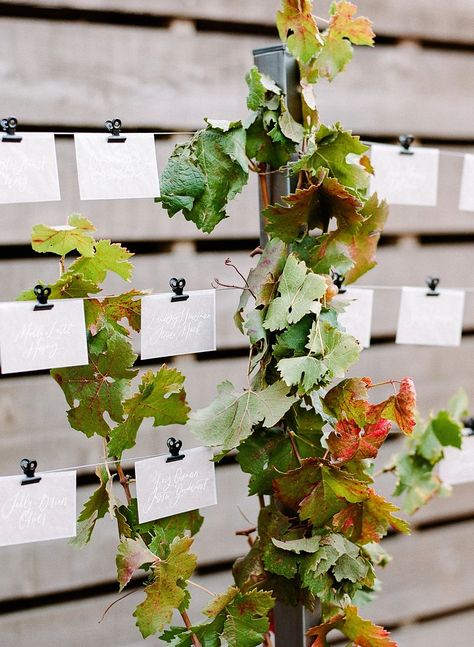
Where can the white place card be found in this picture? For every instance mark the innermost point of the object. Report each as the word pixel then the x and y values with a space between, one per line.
pixel 37 511
pixel 466 199
pixel 405 179
pixel 357 316
pixel 29 169
pixel 164 489
pixel 430 320
pixel 119 170
pixel 179 327
pixel 34 340
pixel 458 464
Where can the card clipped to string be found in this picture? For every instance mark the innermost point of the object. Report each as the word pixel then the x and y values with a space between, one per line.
pixel 37 509
pixel 402 178
pixel 430 317
pixel 357 316
pixel 179 324
pixel 49 335
pixel 29 169
pixel 179 482
pixel 122 170
pixel 457 465
pixel 466 199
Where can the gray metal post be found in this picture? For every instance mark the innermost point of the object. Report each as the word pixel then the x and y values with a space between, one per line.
pixel 291 623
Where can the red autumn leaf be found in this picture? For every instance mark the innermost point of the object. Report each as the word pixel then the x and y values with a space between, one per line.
pixel 320 632
pixel 364 633
pixel 401 408
pixel 350 442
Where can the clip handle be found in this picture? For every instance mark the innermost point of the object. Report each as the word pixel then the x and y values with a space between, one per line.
pixel 432 283
pixel 114 126
pixel 9 126
pixel 177 286
pixel 29 467
pixel 174 447
pixel 405 142
pixel 42 293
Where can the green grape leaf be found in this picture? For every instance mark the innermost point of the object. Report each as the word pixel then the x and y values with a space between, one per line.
pixel 259 85
pixel 220 159
pixel 292 220
pixel 363 244
pixel 230 419
pixel 290 128
pixel 447 431
pixel 261 455
pixel 338 350
pixel 335 489
pixel 132 554
pixel 331 148
pixel 100 387
pixel 268 144
pixel 297 28
pixel 349 442
pixel 160 396
pixel 293 341
pixel 220 601
pixel 165 593
pixel 96 507
pixel 181 182
pixel 108 257
pixel 163 531
pixel 369 521
pixel 306 372
pixel 305 545
pixel 335 54
pixel 273 525
pixel 112 310
pixel 61 240
pixel 69 286
pixel 416 481
pixel 299 292
pixel 247 619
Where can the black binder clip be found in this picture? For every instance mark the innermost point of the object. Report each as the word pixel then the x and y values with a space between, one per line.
pixel 9 130
pixel 468 426
pixel 432 284
pixel 42 293
pixel 114 126
pixel 174 446
pixel 405 142
pixel 177 285
pixel 338 281
pixel 29 468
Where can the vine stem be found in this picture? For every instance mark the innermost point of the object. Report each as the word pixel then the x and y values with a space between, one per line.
pixel 124 482
pixel 267 641
pixel 202 588
pixel 264 190
pixel 294 447
pixel 62 267
pixel 187 622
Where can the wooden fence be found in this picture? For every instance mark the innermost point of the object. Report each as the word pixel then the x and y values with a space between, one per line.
pixel 163 66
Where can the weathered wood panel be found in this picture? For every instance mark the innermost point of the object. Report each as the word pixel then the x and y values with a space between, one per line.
pixel 117 219
pixel 423 19
pixel 175 92
pixel 456 631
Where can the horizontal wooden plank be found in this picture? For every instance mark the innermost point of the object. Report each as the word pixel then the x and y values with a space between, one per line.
pixel 77 623
pixel 150 222
pixel 404 264
pixel 176 92
pixel 455 630
pixel 391 18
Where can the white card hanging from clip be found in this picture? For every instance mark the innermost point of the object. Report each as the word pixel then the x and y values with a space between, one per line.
pixel 121 170
pixel 466 199
pixel 180 324
pixel 405 178
pixel 430 317
pixel 37 508
pixel 168 485
pixel 46 335
pixel 357 316
pixel 457 465
pixel 29 169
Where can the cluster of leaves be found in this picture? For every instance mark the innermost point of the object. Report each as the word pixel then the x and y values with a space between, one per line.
pixel 414 467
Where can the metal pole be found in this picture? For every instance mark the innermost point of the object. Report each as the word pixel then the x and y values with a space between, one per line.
pixel 291 623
